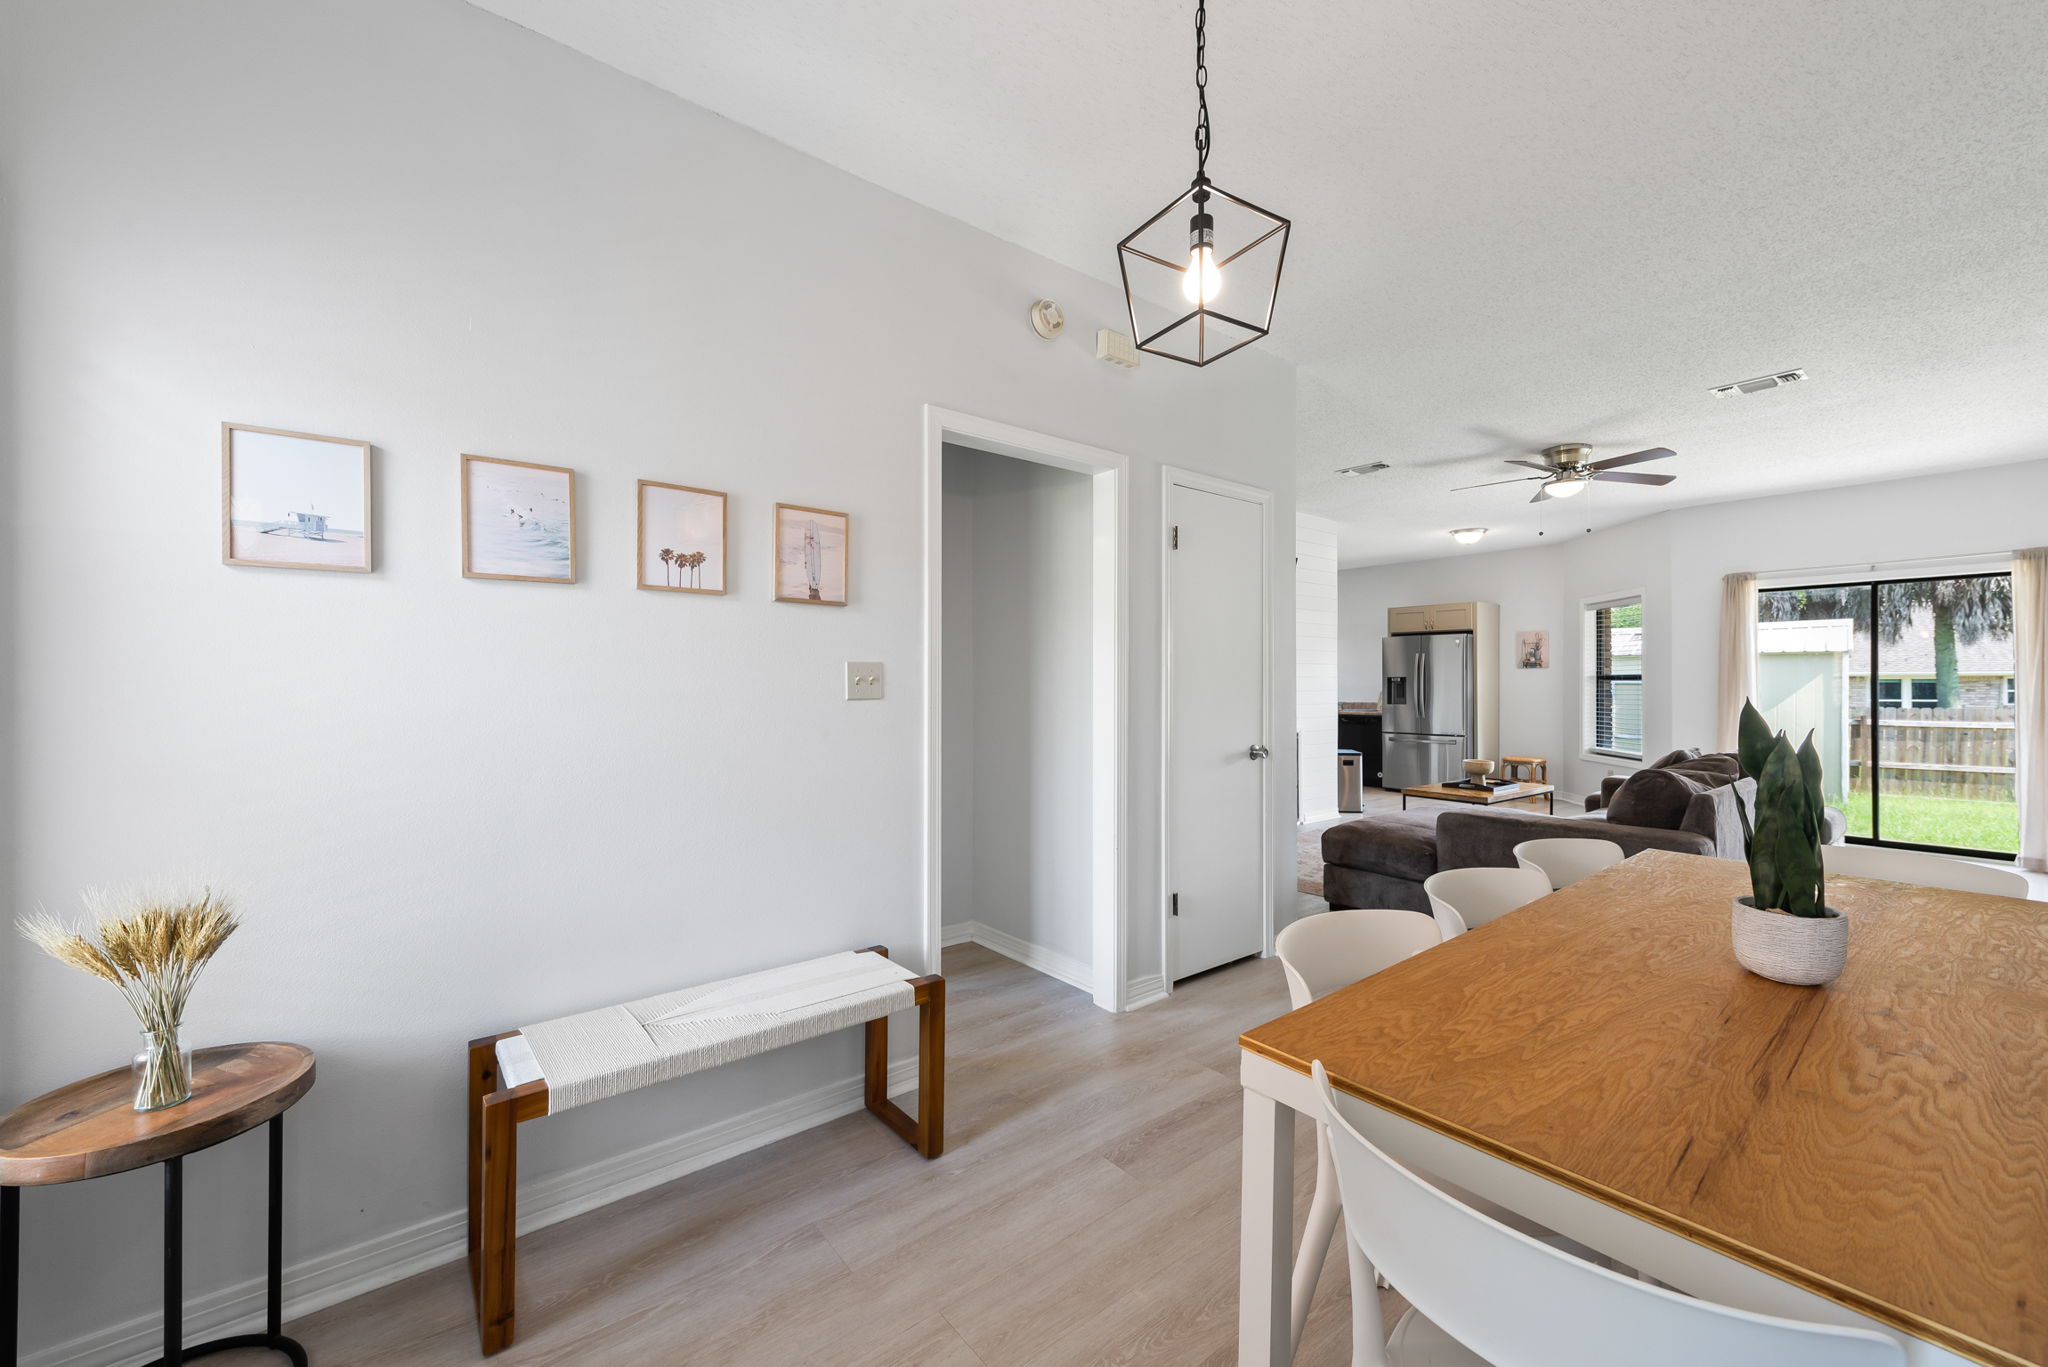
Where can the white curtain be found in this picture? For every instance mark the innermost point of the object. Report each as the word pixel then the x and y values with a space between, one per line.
pixel 1738 653
pixel 2030 686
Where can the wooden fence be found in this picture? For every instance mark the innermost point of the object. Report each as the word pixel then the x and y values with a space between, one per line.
pixel 1960 752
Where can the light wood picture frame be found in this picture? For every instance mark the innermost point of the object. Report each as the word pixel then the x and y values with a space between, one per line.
pixel 813 555
pixel 681 536
pixel 294 500
pixel 518 520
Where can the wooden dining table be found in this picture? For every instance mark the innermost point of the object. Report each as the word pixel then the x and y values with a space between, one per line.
pixel 1873 1152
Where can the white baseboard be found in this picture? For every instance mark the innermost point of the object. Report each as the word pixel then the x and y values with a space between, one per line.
pixel 1144 991
pixel 1068 969
pixel 1313 818
pixel 330 1278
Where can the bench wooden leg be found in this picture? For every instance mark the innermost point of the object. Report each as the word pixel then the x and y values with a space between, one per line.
pixel 494 1218
pixel 926 1134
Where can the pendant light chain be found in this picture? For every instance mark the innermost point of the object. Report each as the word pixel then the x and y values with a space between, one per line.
pixel 1201 93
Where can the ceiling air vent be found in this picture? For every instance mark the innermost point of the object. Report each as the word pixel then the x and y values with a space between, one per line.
pixel 1352 471
pixel 1757 385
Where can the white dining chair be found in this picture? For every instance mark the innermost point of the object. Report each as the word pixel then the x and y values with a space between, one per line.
pixel 1485 1295
pixel 1565 862
pixel 1476 896
pixel 1320 954
pixel 1928 870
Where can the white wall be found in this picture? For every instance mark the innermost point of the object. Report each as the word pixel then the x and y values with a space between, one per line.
pixel 1676 560
pixel 1017 699
pixel 1315 663
pixel 457 806
pixel 1524 583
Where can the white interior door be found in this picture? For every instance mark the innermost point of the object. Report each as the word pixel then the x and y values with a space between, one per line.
pixel 1216 714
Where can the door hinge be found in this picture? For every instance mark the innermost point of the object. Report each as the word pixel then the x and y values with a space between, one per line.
pixel 1173 903
pixel 1176 536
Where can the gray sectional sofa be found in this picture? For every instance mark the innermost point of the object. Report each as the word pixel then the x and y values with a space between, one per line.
pixel 1686 802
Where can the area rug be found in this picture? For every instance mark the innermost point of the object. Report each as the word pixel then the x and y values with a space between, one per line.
pixel 1308 851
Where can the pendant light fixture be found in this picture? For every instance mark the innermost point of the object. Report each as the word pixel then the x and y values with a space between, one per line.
pixel 1211 292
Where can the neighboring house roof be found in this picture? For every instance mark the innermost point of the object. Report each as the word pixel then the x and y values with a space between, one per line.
pixel 1913 652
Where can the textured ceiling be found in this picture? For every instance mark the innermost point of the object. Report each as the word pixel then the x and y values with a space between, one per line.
pixel 1518 222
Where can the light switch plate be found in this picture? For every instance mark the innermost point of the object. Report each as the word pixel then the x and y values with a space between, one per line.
pixel 863 680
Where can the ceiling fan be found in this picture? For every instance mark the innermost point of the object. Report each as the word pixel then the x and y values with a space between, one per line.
pixel 1566 471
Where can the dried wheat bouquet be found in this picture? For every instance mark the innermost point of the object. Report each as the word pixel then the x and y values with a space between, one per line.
pixel 151 944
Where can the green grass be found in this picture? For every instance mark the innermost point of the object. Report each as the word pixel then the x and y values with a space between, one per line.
pixel 1939 821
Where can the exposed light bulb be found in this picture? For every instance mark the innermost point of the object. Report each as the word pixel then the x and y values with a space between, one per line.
pixel 1201 282
pixel 1564 488
pixel 1465 536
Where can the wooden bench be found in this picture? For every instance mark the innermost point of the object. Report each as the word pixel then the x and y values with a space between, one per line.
pixel 508 1086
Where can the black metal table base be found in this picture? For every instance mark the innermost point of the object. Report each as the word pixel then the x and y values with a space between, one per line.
pixel 275 1342
pixel 175 1352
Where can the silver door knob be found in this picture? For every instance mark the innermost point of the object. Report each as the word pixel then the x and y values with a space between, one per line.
pixel 1258 752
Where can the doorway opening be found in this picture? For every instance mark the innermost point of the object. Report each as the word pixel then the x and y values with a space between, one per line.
pixel 1025 676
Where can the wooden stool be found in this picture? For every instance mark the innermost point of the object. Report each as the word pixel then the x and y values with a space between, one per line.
pixel 1525 768
pixel 90 1129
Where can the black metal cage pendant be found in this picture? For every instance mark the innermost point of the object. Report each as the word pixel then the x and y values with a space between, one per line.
pixel 1199 292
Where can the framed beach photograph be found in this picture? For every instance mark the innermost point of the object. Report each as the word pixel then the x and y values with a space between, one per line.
pixel 1532 650
pixel 518 521
pixel 681 545
pixel 292 500
pixel 810 555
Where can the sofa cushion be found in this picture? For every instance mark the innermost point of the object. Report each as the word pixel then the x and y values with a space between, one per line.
pixel 1398 844
pixel 1712 770
pixel 1675 757
pixel 1657 798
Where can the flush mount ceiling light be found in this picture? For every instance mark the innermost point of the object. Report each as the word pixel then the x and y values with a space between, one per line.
pixel 1465 536
pixel 1233 253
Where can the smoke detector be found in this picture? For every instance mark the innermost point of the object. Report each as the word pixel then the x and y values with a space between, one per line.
pixel 1757 385
pixel 1353 471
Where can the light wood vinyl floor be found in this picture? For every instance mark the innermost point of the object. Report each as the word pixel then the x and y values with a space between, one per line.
pixel 1085 1213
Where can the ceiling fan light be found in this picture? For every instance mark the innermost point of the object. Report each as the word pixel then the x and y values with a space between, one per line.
pixel 1563 488
pixel 1466 536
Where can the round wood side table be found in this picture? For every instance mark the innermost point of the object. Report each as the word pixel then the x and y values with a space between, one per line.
pixel 89 1129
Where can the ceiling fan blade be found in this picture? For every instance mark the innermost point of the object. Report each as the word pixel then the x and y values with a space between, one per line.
pixel 1530 465
pixel 1522 479
pixel 1634 458
pixel 1625 477
pixel 1542 492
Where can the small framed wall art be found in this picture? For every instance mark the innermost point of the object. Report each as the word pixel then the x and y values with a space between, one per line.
pixel 681 543
pixel 811 555
pixel 292 500
pixel 518 521
pixel 1532 650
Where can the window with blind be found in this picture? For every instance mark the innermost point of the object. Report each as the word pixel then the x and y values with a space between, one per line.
pixel 1614 678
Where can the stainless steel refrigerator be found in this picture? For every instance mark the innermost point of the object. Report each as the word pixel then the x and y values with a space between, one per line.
pixel 1428 708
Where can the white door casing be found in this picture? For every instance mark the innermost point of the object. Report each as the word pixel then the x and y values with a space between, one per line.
pixel 1216 670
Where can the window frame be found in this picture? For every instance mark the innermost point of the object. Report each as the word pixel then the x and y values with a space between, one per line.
pixel 1788 584
pixel 1593 676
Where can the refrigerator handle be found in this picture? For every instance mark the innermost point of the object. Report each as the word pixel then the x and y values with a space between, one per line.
pixel 1422 684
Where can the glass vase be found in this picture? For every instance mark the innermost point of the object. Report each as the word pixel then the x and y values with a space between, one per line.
pixel 163 1070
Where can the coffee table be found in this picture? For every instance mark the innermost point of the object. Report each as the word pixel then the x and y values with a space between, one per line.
pixel 1444 792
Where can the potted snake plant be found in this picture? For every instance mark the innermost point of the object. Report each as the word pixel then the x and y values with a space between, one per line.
pixel 1785 930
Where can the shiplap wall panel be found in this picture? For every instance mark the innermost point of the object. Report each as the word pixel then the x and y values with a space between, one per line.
pixel 1315 664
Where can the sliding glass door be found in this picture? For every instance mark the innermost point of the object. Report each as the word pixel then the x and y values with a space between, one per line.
pixel 1908 687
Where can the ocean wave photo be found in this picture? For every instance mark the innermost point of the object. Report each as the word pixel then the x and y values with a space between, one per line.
pixel 521 521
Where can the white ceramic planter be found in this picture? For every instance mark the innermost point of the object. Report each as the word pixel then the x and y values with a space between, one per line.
pixel 1801 950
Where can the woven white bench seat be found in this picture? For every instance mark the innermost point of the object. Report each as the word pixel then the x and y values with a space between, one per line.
pixel 548 1068
pixel 596 1054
